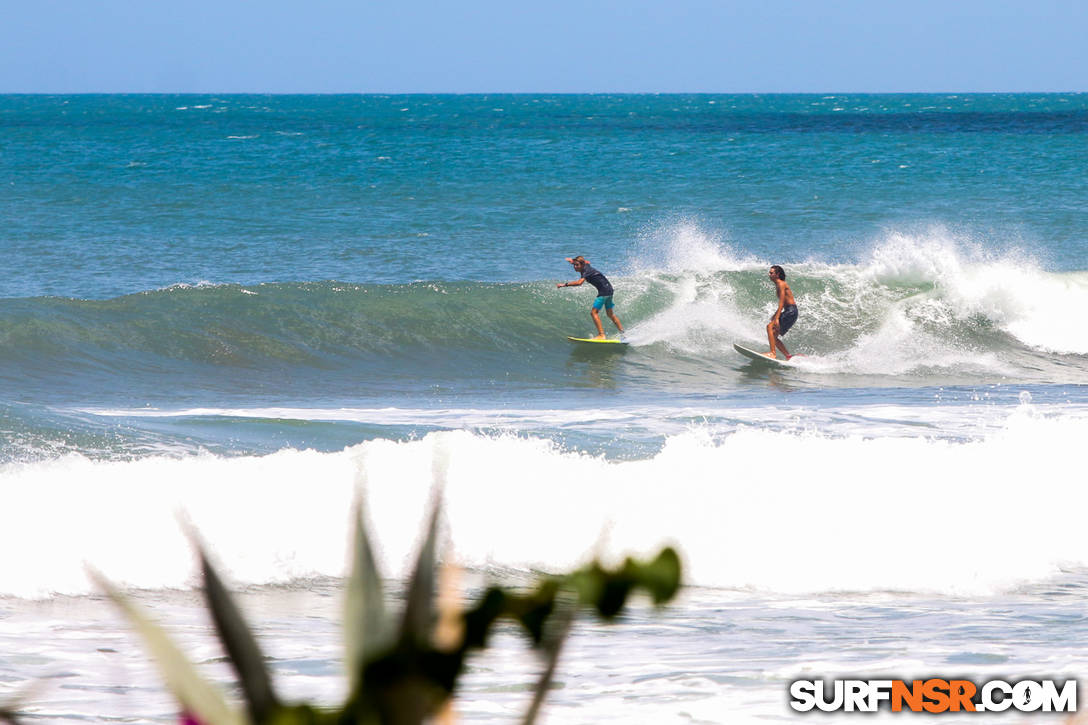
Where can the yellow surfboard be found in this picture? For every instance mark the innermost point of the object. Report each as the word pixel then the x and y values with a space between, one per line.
pixel 595 341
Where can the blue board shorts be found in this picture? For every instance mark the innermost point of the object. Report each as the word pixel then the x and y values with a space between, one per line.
pixel 787 318
pixel 604 301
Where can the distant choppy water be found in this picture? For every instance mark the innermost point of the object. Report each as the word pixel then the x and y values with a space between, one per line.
pixel 108 195
pixel 214 301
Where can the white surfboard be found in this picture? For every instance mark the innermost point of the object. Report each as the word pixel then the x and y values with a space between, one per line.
pixel 761 359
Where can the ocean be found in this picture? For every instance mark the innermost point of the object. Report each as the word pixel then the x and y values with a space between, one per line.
pixel 239 310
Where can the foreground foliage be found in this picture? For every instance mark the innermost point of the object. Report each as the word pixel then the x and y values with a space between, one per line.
pixel 403 669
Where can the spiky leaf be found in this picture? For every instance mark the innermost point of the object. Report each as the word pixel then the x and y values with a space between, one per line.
pixel 419 609
pixel 192 691
pixel 365 623
pixel 240 644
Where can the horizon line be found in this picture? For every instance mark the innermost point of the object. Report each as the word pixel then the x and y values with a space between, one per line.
pixel 544 93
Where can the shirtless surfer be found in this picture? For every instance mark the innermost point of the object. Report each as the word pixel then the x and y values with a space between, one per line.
pixel 784 316
pixel 604 292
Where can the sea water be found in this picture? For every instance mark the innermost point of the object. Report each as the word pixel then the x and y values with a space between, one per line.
pixel 241 310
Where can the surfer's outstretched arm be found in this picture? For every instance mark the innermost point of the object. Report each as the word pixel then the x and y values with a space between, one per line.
pixel 575 283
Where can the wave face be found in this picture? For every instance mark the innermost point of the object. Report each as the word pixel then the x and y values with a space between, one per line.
pixel 925 309
pixel 835 513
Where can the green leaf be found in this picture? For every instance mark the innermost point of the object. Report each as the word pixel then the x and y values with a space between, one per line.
pixel 366 633
pixel 661 577
pixel 193 693
pixel 607 591
pixel 419 609
pixel 240 644
pixel 613 596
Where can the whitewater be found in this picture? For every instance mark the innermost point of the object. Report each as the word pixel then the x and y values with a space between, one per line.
pixel 857 500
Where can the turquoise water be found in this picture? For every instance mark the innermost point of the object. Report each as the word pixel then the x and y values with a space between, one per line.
pixel 211 301
pixel 108 195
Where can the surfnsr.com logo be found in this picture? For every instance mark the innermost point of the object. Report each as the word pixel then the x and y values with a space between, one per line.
pixel 933 695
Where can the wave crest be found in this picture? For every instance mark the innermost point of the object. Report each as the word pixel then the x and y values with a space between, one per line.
pixel 915 305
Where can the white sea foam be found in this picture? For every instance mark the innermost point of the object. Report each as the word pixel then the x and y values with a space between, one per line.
pixel 200 284
pixel 685 247
pixel 683 258
pixel 1012 290
pixel 918 300
pixel 781 511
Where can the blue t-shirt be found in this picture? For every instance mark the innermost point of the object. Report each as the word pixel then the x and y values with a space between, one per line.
pixel 598 280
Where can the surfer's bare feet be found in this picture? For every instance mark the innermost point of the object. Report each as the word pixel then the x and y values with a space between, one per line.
pixel 771 355
pixel 600 337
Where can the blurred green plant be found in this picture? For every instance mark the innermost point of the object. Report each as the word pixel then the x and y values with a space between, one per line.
pixel 401 672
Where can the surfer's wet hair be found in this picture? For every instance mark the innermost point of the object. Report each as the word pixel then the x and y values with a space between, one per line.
pixel 779 271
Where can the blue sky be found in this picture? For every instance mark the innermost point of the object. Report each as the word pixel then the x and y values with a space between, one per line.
pixel 404 46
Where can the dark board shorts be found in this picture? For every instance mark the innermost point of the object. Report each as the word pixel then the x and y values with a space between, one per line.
pixel 787 318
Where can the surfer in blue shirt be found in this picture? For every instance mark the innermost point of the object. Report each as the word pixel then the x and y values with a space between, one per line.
pixel 604 292
pixel 784 316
